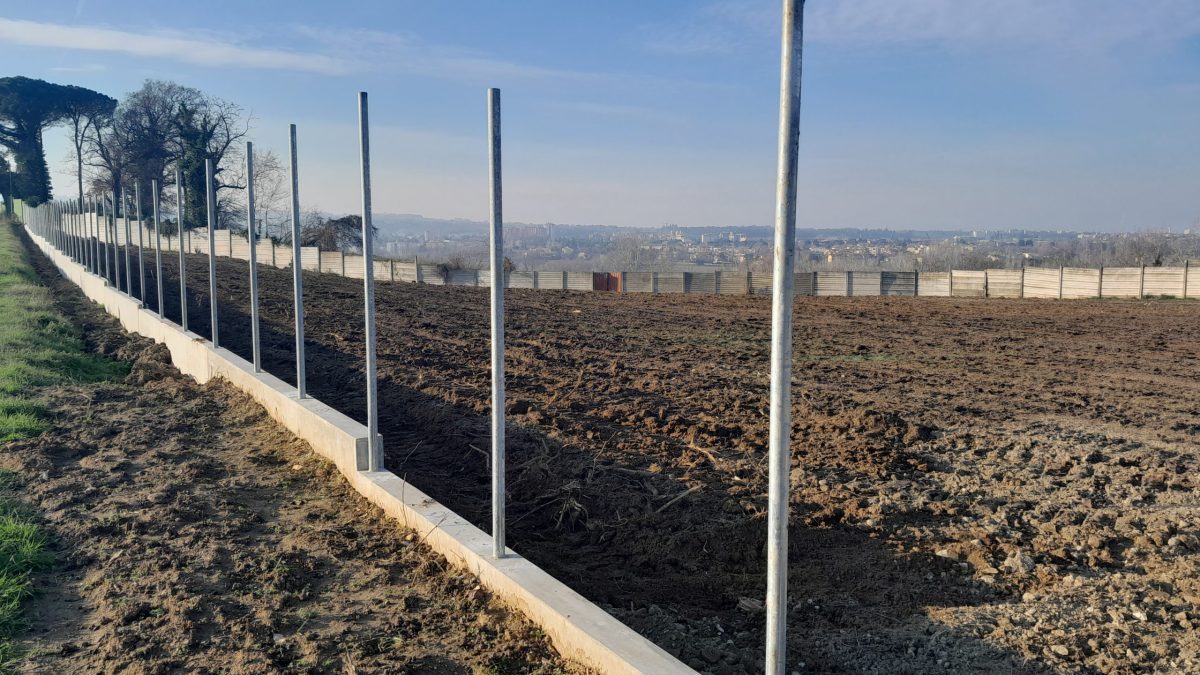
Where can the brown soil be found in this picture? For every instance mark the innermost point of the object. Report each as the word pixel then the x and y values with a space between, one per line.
pixel 978 486
pixel 198 536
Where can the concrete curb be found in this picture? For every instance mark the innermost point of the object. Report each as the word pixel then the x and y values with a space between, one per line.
pixel 580 630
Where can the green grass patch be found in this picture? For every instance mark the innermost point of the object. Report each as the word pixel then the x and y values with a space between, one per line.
pixel 24 551
pixel 38 346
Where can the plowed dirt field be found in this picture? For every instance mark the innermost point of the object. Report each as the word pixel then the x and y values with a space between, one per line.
pixel 978 485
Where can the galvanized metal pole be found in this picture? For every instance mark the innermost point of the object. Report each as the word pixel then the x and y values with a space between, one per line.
pixel 72 235
pixel 374 451
pixel 102 232
pixel 128 236
pixel 94 232
pixel 781 337
pixel 94 236
pixel 253 241
pixel 158 247
pixel 210 188
pixel 182 258
pixel 137 209
pixel 496 242
pixel 297 268
pixel 73 215
pixel 111 235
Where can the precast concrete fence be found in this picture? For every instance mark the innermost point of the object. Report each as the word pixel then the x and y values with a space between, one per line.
pixel 1062 283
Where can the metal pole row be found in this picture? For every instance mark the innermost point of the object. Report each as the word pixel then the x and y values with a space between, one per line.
pixel 70 226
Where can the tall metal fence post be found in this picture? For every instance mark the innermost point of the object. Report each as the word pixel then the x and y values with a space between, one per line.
pixel 128 237
pixel 77 210
pixel 137 210
pixel 1142 283
pixel 102 232
pixel 252 240
pixel 94 242
pixel 72 225
pixel 210 191
pixel 179 209
pixel 112 243
pixel 374 451
pixel 779 459
pixel 1186 264
pixel 78 217
pixel 1061 270
pixel 158 278
pixel 297 265
pixel 497 321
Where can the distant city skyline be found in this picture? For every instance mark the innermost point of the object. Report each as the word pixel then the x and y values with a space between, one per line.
pixel 929 114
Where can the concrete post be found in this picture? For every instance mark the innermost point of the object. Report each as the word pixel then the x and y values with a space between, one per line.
pixel 1142 284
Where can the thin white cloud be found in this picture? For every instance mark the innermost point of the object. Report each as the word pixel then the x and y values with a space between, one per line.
pixel 406 53
pixel 1081 24
pixel 203 52
pixel 85 68
pixel 724 26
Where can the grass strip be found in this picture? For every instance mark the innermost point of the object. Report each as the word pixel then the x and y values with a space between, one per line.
pixel 24 551
pixel 38 346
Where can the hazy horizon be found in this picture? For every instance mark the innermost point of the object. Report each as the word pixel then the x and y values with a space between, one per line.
pixel 934 114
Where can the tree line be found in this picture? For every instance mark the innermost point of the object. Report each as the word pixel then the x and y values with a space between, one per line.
pixel 162 129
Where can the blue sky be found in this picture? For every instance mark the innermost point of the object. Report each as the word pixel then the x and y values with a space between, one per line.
pixel 1078 114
